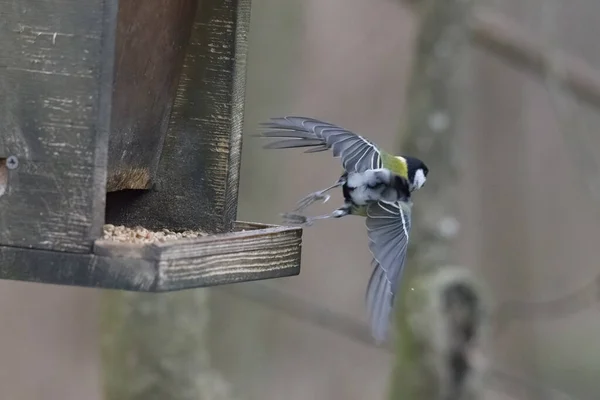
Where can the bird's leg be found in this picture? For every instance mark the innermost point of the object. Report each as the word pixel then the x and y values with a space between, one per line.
pixel 316 196
pixel 299 219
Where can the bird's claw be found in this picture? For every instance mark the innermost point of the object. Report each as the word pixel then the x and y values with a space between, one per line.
pixel 312 198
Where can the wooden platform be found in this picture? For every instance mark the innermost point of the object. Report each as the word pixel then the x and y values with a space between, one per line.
pixel 252 252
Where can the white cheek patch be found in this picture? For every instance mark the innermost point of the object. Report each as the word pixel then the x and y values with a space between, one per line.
pixel 419 179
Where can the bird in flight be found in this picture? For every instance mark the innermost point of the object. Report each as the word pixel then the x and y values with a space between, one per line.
pixel 375 185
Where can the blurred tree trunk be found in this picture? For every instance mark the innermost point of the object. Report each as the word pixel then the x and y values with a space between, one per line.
pixel 434 98
pixel 155 346
pixel 432 119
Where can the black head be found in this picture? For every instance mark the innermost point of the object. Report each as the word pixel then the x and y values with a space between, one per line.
pixel 417 172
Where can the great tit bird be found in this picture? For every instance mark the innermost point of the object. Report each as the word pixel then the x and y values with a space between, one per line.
pixel 375 185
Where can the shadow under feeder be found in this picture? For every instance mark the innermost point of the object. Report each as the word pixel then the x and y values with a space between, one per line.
pixel 135 118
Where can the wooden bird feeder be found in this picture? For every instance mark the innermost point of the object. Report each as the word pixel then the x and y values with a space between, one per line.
pixel 128 113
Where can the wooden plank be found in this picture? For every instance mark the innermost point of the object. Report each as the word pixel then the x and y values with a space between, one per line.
pixel 150 49
pixel 77 269
pixel 260 253
pixel 3 176
pixel 245 226
pixel 114 249
pixel 264 252
pixel 197 177
pixel 56 59
pixel 230 258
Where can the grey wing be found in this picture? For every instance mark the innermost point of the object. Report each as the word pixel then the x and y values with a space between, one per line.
pixel 357 153
pixel 388 227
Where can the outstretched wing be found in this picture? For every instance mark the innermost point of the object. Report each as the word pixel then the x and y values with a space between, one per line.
pixel 388 227
pixel 357 153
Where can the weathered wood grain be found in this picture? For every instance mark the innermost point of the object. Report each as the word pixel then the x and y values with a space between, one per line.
pixel 229 258
pixel 56 59
pixel 150 49
pixel 197 177
pixel 246 225
pixel 77 269
pixel 3 176
pixel 261 252
pixel 114 249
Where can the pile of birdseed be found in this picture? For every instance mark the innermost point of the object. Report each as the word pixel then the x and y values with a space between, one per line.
pixel 140 234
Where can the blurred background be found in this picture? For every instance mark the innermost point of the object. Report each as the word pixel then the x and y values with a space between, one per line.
pixel 529 215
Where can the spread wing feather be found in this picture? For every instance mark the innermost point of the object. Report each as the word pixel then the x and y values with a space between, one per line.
pixel 357 153
pixel 388 227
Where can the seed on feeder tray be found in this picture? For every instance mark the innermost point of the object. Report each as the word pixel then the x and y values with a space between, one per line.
pixel 142 235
